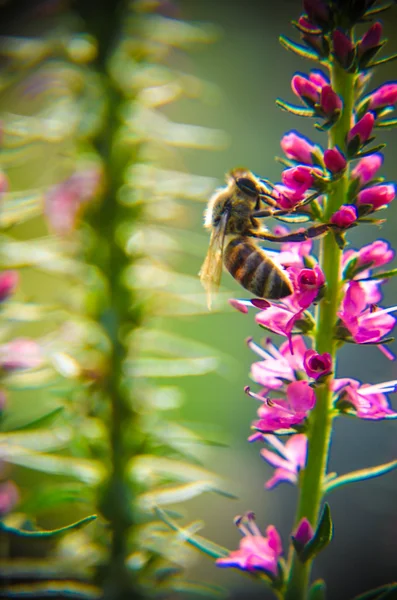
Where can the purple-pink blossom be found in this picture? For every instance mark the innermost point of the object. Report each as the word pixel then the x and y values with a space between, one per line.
pixel 343 47
pixel 363 128
pixel 316 365
pixel 278 365
pixel 288 459
pixel 345 216
pixel 384 95
pixel 307 284
pixel 367 168
pixel 378 195
pixel 8 282
pixel 371 39
pixel 372 255
pixel 284 413
pixel 256 552
pixel 368 401
pixel 297 147
pixel 334 160
pixel 299 179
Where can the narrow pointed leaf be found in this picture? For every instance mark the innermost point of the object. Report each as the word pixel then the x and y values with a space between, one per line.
pixel 196 541
pixel 360 475
pixel 298 49
pixel 52 589
pixel 44 421
pixel 384 592
pixel 371 151
pixel 378 9
pixel 47 533
pixel 294 109
pixel 382 61
pixel 199 589
pixel 321 537
pixel 386 123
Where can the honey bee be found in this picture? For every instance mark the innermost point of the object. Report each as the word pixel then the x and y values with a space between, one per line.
pixel 230 216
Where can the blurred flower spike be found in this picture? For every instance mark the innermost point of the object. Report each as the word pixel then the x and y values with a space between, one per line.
pixel 9 497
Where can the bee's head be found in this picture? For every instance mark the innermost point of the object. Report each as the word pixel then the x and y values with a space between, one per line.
pixel 219 205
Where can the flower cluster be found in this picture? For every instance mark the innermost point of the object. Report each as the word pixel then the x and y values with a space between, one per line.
pixel 336 300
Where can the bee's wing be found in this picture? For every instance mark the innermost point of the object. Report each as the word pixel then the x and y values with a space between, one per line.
pixel 211 271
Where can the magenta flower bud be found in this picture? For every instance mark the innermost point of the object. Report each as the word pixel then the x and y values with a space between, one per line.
pixel 9 497
pixel 299 178
pixel 378 195
pixel 316 364
pixel 305 89
pixel 345 216
pixel 21 353
pixel 298 147
pixel 334 160
pixel 363 128
pixel 343 47
pixel 317 11
pixel 319 78
pixel 303 533
pixel 309 26
pixel 329 101
pixel 8 282
pixel 367 167
pixel 370 39
pixel 385 95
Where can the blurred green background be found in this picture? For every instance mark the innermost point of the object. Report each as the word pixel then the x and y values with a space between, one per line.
pixel 250 69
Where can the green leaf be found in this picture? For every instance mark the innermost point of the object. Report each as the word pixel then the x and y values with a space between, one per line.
pixel 384 592
pixel 47 533
pixel 198 589
pixel 383 275
pixel 321 537
pixel 196 541
pixel 52 589
pixel 298 49
pixel 175 494
pixel 386 123
pixel 44 421
pixel 52 496
pixel 175 367
pixel 382 61
pixel 317 590
pixel 378 9
pixel 360 475
pixel 371 151
pixel 294 109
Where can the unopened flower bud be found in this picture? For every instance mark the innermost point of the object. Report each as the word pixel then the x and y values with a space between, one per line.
pixel 317 11
pixel 345 216
pixel 330 102
pixel 8 283
pixel 371 39
pixel 303 533
pixel 378 195
pixel 385 95
pixel 367 167
pixel 297 147
pixel 343 48
pixel 316 364
pixel 363 128
pixel 305 89
pixel 334 160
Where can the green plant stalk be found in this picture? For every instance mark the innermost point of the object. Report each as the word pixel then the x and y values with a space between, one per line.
pixel 320 425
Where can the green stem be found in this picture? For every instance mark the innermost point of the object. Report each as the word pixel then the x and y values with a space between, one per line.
pixel 320 425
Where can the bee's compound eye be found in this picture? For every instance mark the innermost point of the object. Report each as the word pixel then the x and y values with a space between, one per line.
pixel 247 186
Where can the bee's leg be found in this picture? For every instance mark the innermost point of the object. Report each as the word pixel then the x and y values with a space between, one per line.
pixel 295 236
pixel 259 214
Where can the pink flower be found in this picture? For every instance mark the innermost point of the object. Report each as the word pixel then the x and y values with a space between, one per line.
pixel 299 179
pixel 305 89
pixel 343 47
pixel 345 216
pixel 277 366
pixel 21 353
pixel 370 39
pixel 330 102
pixel 385 95
pixel 8 282
pixel 334 160
pixel 362 129
pixel 298 147
pixel 63 201
pixel 303 533
pixel 286 197
pixel 367 167
pixel 307 284
pixel 368 401
pixel 255 552
pixel 364 323
pixel 376 254
pixel 292 254
pixel 378 195
pixel 317 364
pixel 9 497
pixel 283 413
pixel 288 459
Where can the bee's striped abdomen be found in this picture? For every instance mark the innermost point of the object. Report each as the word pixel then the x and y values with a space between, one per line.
pixel 255 271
